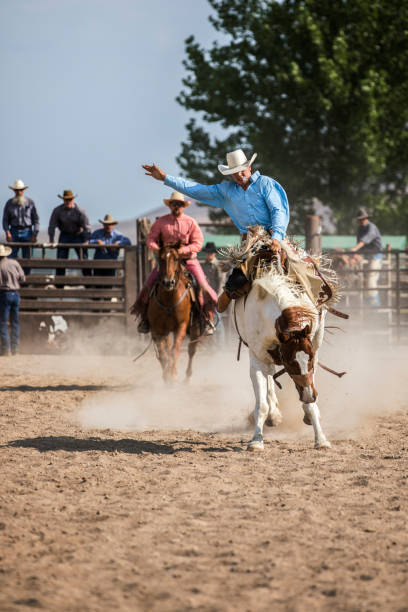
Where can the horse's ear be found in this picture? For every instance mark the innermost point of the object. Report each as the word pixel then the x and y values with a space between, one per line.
pixel 307 330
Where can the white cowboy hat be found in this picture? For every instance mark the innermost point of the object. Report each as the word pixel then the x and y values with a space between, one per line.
pixel 237 161
pixel 4 250
pixel 179 197
pixel 108 220
pixel 18 184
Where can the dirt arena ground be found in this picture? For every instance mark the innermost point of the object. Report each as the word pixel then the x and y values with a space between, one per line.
pixel 117 494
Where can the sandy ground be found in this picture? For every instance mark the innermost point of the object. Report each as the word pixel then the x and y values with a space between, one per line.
pixel 159 512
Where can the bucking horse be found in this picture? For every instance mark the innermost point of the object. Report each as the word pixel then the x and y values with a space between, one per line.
pixel 283 327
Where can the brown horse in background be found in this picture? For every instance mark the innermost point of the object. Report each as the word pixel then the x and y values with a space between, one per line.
pixel 170 312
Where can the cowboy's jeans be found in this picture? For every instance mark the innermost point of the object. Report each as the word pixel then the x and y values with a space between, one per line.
pixel 371 281
pixel 63 252
pixel 21 235
pixel 9 309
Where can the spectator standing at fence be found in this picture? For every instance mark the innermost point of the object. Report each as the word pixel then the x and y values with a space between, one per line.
pixel 211 267
pixel 215 277
pixel 11 275
pixel 21 222
pixel 73 224
pixel 369 245
pixel 111 239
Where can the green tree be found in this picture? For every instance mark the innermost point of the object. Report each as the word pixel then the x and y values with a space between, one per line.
pixel 319 89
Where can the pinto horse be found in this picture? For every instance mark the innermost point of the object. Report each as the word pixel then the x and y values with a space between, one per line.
pixel 169 312
pixel 281 326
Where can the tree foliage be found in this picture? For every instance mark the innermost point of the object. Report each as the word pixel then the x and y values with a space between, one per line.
pixel 319 89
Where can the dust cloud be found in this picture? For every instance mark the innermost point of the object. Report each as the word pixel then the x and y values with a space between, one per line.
pixel 219 397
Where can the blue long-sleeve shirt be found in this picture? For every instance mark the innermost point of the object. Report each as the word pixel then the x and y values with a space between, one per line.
pixel 264 202
pixel 114 238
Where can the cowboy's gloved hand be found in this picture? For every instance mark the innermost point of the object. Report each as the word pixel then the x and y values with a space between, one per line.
pixel 33 239
pixel 276 246
pixel 154 171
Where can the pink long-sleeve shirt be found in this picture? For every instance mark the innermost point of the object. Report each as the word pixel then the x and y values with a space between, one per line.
pixel 173 229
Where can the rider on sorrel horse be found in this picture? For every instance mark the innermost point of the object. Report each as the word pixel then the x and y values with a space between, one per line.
pixel 170 229
pixel 170 311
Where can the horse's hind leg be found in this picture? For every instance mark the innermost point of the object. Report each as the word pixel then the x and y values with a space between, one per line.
pixel 312 417
pixel 259 376
pixel 192 347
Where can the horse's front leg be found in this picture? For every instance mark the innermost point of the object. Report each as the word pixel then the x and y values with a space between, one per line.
pixel 179 336
pixel 259 375
pixel 274 414
pixel 162 347
pixel 312 417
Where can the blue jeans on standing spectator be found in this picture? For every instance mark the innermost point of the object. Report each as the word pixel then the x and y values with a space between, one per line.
pixel 21 235
pixel 63 252
pixel 9 309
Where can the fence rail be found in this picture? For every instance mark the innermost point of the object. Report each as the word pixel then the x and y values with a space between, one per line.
pixel 85 290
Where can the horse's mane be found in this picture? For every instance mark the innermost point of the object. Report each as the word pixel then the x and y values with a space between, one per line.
pixel 285 292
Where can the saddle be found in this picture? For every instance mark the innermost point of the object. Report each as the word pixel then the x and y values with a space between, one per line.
pixel 302 270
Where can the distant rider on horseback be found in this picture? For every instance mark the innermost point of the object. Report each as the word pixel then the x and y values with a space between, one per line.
pixel 171 229
pixel 249 199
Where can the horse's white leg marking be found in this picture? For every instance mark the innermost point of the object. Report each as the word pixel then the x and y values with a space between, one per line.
pixel 274 414
pixel 259 373
pixel 312 413
pixel 303 360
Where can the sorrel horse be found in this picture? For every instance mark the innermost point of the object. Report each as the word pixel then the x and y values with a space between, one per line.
pixel 281 327
pixel 169 312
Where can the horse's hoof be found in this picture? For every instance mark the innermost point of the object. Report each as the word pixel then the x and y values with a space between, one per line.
pixel 255 446
pixel 307 420
pixel 322 445
pixel 273 420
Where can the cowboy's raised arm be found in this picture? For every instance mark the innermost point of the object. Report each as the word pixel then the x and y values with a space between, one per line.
pixel 209 194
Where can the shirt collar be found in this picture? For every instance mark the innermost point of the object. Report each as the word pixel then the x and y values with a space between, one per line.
pixel 254 177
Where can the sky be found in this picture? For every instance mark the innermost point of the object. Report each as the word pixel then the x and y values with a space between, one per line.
pixel 89 90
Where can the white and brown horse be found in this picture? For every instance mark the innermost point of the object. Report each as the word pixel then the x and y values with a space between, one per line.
pixel 282 328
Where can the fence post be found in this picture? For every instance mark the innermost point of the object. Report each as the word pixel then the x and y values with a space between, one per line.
pixel 398 292
pixel 313 234
pixel 130 271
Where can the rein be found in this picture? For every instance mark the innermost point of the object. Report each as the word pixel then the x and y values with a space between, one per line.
pixel 169 309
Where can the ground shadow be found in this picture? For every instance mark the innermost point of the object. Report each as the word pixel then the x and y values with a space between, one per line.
pixel 126 445
pixel 75 387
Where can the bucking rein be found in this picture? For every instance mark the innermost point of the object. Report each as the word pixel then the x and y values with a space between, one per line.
pixel 326 294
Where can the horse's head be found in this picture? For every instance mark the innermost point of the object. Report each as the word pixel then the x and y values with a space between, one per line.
pixel 295 351
pixel 169 266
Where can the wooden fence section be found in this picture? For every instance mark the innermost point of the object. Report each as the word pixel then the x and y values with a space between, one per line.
pixel 75 293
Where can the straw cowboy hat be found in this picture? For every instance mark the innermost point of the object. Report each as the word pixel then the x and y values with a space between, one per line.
pixel 4 250
pixel 178 197
pixel 362 214
pixel 67 195
pixel 237 161
pixel 108 220
pixel 18 184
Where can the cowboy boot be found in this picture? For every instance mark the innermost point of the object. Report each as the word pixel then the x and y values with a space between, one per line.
pixel 144 325
pixel 223 302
